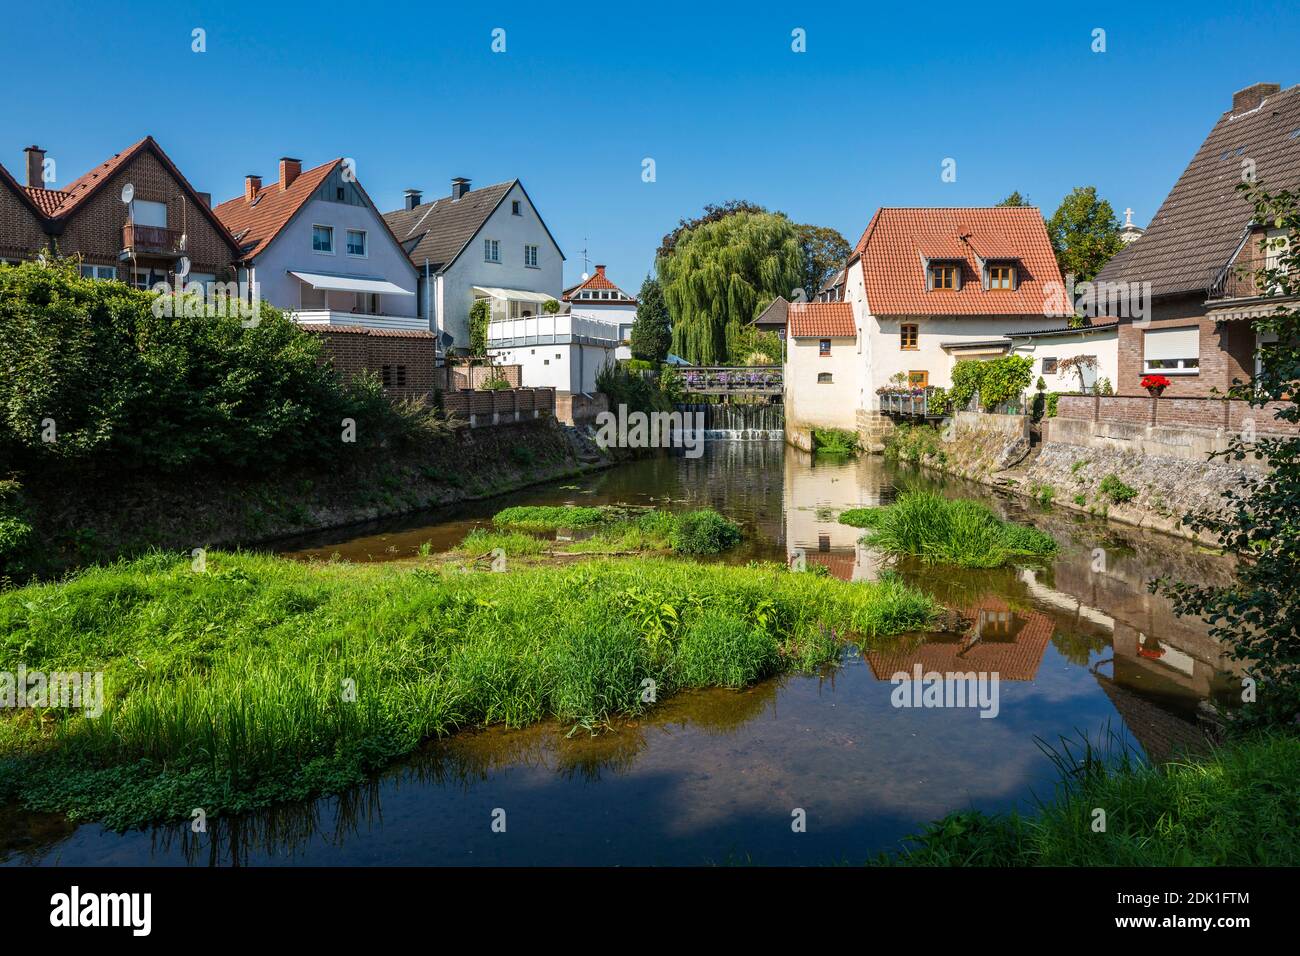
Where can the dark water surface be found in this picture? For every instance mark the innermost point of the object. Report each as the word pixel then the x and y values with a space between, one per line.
pixel 715 776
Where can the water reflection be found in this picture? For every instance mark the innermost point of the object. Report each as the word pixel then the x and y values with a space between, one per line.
pixel 1078 641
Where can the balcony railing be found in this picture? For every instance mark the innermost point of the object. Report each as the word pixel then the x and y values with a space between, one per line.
pixel 909 403
pixel 152 239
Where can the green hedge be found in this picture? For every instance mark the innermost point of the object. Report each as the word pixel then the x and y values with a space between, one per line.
pixel 90 376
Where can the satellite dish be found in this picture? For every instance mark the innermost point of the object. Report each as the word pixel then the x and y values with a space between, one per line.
pixel 585 277
pixel 128 193
pixel 182 267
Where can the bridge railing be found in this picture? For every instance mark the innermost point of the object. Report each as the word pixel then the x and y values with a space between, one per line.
pixel 723 379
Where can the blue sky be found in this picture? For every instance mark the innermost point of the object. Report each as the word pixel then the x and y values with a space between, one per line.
pixel 713 93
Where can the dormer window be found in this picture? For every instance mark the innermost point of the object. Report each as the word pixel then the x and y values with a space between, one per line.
pixel 943 276
pixel 1002 278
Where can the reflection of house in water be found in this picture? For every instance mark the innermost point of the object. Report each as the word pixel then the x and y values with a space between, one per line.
pixel 815 494
pixel 1162 735
pixel 1001 640
pixel 1182 666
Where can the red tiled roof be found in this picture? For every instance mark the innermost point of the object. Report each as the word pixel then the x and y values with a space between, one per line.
pixel 597 281
pixel 255 224
pixel 47 200
pixel 821 320
pixel 896 240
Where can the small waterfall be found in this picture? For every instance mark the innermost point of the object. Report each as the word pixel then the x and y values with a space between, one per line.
pixel 739 422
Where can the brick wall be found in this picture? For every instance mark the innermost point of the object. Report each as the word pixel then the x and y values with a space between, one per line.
pixel 1200 413
pixel 21 234
pixel 94 231
pixel 409 357
pixel 481 408
pixel 1225 354
pixel 476 376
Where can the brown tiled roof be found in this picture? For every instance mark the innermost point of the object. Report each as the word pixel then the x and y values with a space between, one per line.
pixel 821 320
pixel 257 223
pixel 439 230
pixel 896 241
pixel 1018 659
pixel 778 313
pixel 1203 220
pixel 366 330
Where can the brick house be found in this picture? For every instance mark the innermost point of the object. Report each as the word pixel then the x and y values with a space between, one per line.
pixel 139 242
pixel 1199 249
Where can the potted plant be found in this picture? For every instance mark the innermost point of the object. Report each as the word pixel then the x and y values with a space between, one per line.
pixel 1155 384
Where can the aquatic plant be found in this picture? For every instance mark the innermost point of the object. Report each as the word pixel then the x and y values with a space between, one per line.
pixel 834 441
pixel 950 531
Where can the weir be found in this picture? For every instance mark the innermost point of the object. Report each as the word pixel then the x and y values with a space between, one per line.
pixel 739 421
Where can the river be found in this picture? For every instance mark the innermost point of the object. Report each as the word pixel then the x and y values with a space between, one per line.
pixel 1081 647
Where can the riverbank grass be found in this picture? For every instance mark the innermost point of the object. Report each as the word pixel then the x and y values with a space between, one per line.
pixel 263 680
pixel 940 530
pixel 1235 807
pixel 606 529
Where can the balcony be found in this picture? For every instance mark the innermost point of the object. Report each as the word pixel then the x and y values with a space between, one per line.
pixel 151 240
pixel 368 320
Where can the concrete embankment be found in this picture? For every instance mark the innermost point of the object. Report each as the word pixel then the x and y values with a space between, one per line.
pixel 1148 483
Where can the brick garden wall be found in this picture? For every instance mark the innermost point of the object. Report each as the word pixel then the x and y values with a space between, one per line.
pixel 1208 414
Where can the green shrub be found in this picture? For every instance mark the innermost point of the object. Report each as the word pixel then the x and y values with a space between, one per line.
pixel 1114 489
pixel 834 441
pixel 1044 494
pixel 119 388
pixel 914 443
pixel 703 532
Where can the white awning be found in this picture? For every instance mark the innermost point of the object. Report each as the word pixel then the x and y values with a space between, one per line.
pixel 350 283
pixel 519 295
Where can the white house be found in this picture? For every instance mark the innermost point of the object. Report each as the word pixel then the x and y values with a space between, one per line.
pixel 598 298
pixel 823 368
pixel 316 246
pixel 925 289
pixel 488 243
pixel 561 351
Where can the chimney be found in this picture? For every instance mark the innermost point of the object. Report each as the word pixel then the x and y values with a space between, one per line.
pixel 251 185
pixel 459 187
pixel 205 198
pixel 35 167
pixel 1245 100
pixel 413 197
pixel 600 271
pixel 289 170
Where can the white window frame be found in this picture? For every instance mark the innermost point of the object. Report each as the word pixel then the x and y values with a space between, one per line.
pixel 492 251
pixel 322 252
pixel 1180 366
pixel 99 273
pixel 530 256
pixel 365 243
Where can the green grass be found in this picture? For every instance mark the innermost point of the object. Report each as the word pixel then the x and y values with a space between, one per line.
pixel 1236 807
pixel 225 690
pixel 941 530
pixel 618 528
pixel 549 518
pixel 857 517
pixel 914 443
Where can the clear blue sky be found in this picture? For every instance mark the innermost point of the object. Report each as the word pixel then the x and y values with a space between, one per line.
pixel 717 98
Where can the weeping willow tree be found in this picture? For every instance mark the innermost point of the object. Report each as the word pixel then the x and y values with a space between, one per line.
pixel 719 274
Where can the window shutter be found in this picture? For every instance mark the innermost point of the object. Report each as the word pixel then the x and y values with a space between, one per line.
pixel 956 276
pixel 985 278
pixel 929 275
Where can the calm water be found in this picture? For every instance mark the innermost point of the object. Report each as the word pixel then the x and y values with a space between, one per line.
pixel 713 777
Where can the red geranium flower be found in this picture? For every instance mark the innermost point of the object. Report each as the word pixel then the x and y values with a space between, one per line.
pixel 1155 381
